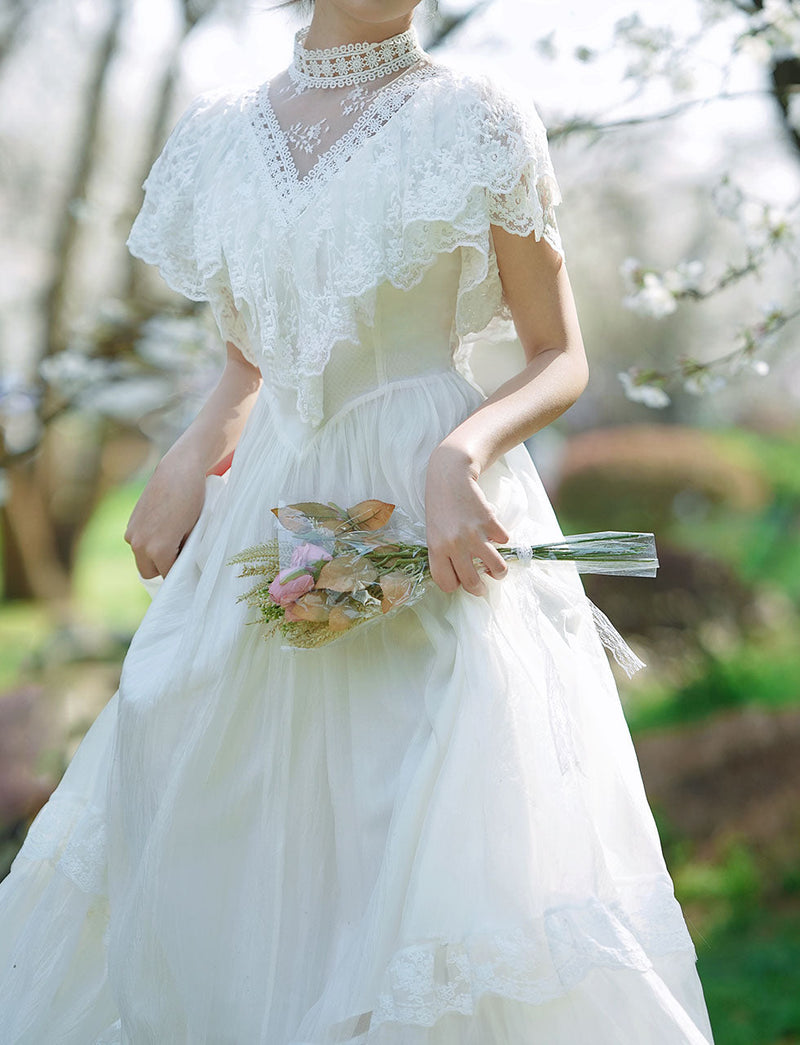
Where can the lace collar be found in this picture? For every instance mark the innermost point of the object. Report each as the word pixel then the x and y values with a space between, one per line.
pixel 352 63
pixel 296 191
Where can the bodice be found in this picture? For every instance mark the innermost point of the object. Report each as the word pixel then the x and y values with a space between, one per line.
pixel 374 264
pixel 411 336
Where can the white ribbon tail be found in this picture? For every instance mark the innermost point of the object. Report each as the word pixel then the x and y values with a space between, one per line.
pixel 614 642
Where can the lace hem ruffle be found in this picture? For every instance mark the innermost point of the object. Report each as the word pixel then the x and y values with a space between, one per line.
pixel 70 835
pixel 426 981
pixel 431 979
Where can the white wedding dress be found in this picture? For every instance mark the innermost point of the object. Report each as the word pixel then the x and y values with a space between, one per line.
pixel 431 832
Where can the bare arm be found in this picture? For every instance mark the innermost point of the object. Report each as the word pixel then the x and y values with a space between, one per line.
pixel 461 524
pixel 170 504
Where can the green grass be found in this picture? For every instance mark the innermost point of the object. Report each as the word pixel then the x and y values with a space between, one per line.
pixel 728 891
pixel 776 457
pixel 749 972
pixel 24 626
pixel 766 676
pixel 748 945
pixel 107 590
pixel 763 548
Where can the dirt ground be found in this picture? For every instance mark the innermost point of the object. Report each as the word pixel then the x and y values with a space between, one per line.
pixel 737 774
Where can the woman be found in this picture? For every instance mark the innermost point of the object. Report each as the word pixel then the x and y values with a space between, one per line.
pixel 433 831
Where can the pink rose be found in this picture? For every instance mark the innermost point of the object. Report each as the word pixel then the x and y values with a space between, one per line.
pixel 305 554
pixel 285 592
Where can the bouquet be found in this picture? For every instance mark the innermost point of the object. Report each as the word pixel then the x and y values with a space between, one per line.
pixel 331 569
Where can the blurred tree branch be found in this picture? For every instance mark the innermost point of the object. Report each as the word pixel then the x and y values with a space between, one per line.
pixel 36 475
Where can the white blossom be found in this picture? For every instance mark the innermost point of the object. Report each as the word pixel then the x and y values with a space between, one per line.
pixel 759 366
pixel 653 47
pixel 649 395
pixel 772 310
pixel 127 400
pixel 779 223
pixel 70 371
pixel 762 224
pixel 632 272
pixel 685 276
pixel 712 12
pixel 632 30
pixel 652 299
pixel 758 48
pixel 169 342
pixel 782 16
pixel 774 28
pixel 778 13
pixel 704 383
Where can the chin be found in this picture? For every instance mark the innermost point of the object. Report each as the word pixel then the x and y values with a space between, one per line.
pixel 376 11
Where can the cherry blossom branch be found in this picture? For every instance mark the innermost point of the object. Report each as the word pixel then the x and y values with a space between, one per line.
pixel 577 124
pixel 769 33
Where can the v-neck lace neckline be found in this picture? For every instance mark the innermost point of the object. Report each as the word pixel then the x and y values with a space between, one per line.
pixel 294 190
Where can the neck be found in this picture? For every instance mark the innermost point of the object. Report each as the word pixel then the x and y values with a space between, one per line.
pixel 331 27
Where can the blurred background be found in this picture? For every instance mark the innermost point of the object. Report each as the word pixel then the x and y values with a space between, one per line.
pixel 675 135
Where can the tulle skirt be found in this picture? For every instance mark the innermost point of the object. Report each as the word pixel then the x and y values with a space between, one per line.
pixel 430 832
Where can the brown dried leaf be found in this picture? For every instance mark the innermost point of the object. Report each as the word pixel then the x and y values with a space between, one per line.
pixel 343 617
pixel 311 606
pixel 318 511
pixel 370 515
pixel 347 572
pixel 291 519
pixel 302 516
pixel 396 588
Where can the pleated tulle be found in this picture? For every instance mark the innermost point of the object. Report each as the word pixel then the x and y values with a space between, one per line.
pixel 431 832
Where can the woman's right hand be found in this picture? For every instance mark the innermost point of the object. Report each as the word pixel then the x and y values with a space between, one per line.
pixel 166 513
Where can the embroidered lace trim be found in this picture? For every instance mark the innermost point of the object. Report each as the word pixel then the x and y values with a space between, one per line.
pixel 280 168
pixel 70 836
pixel 352 63
pixel 427 980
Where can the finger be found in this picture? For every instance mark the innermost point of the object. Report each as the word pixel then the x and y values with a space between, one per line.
pixel 495 531
pixel 145 565
pixel 442 572
pixel 496 565
pixel 467 574
pixel 164 558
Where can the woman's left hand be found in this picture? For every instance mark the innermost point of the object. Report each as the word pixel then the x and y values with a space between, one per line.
pixel 460 523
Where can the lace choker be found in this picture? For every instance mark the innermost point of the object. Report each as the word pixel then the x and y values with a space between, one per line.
pixel 352 63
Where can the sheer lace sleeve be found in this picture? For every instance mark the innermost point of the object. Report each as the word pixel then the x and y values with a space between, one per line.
pixel 170 231
pixel 523 192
